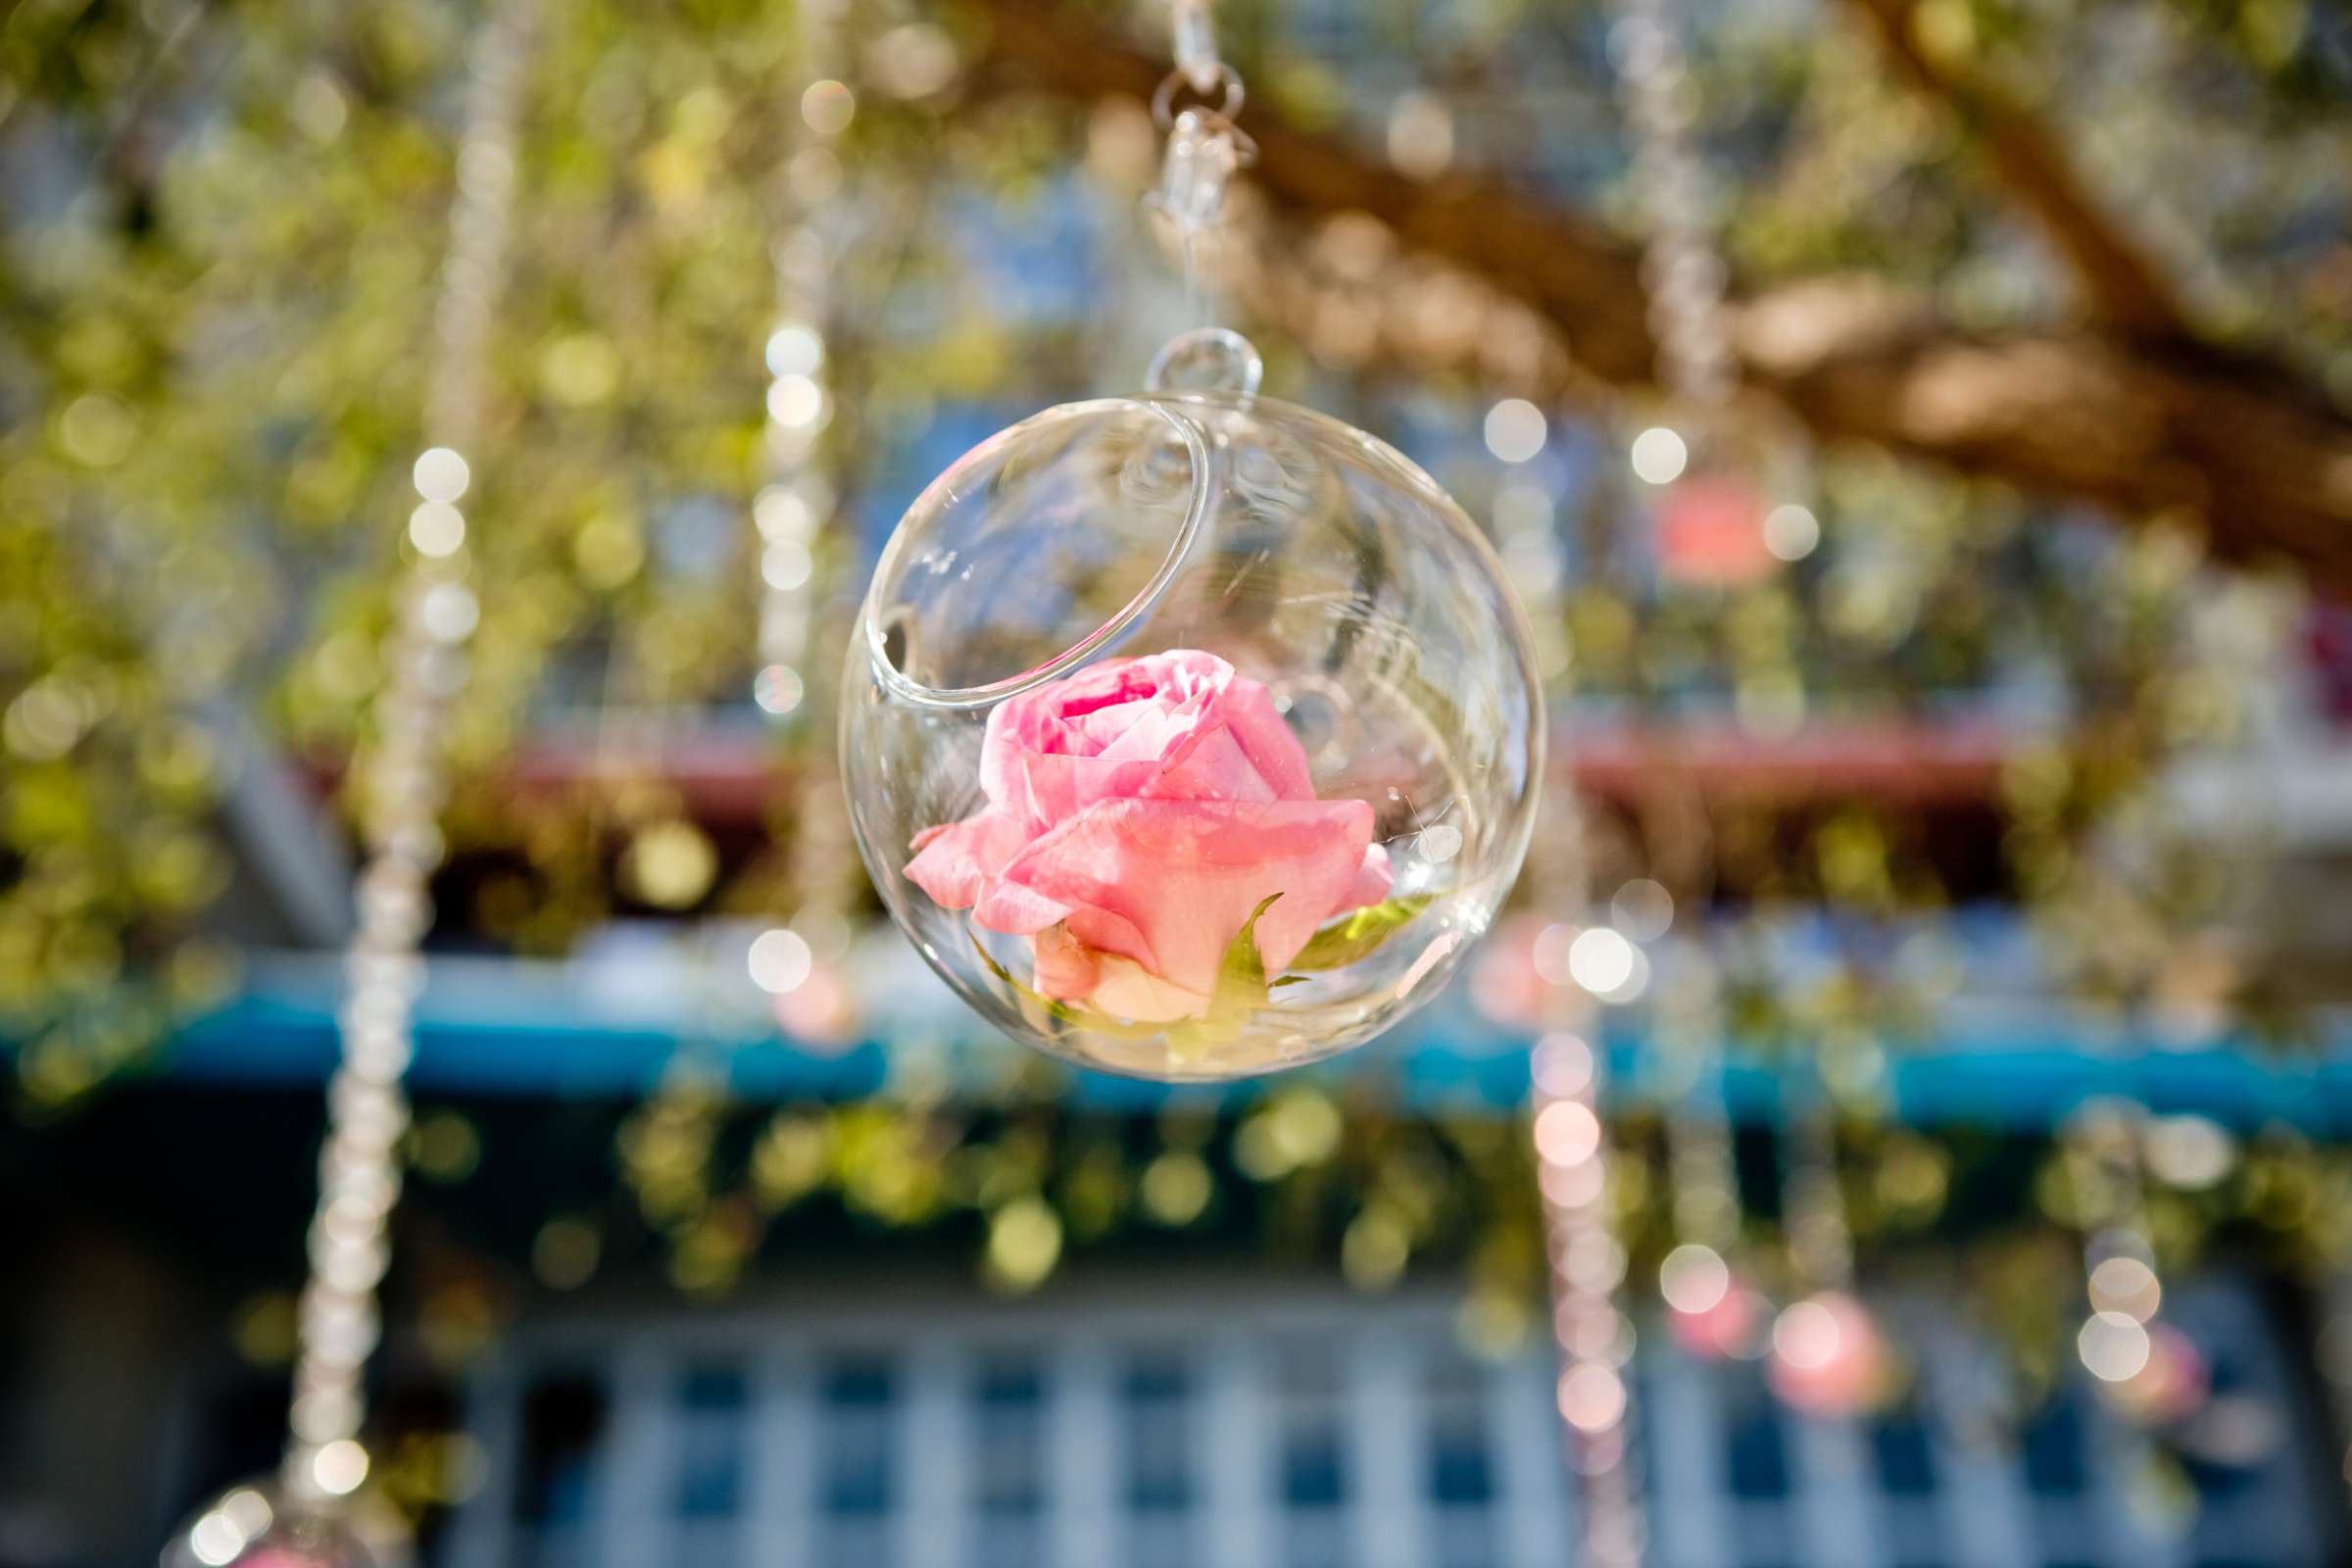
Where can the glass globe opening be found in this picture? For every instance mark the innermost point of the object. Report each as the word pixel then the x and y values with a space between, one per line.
pixel 1044 545
pixel 1190 736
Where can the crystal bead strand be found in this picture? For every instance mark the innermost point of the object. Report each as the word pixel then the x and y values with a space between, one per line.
pixel 1681 262
pixel 1827 1356
pixel 1697 1279
pixel 2121 1342
pixel 403 786
pixel 1590 1333
pixel 793 507
pixel 798 962
pixel 2145 1364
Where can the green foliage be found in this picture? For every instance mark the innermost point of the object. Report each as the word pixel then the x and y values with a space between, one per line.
pixel 1359 935
pixel 217 277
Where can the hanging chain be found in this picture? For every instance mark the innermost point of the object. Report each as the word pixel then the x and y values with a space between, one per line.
pixel 403 786
pixel 1682 263
pixel 1197 44
pixel 1204 147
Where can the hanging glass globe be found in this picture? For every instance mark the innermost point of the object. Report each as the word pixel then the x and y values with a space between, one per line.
pixel 259 1525
pixel 1191 735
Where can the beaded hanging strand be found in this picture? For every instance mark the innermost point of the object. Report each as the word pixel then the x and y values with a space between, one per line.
pixel 1682 263
pixel 1697 1279
pixel 793 507
pixel 1591 1336
pixel 2122 1342
pixel 403 786
pixel 796 962
pixel 1732 486
pixel 1828 1358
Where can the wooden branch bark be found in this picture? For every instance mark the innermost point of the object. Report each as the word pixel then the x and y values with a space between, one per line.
pixel 2138 419
pixel 2125 289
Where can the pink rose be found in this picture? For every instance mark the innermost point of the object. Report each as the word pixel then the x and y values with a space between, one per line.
pixel 1137 814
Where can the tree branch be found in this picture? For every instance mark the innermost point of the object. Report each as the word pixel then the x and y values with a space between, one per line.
pixel 2140 421
pixel 2126 290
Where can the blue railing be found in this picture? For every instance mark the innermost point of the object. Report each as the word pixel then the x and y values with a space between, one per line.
pixel 584 1030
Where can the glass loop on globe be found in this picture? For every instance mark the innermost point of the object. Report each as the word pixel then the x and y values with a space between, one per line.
pixel 1191 735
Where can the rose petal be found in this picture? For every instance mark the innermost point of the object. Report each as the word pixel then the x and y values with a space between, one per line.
pixel 1169 883
pixel 1107 685
pixel 1127 990
pixel 1067 969
pixel 1128 729
pixel 1209 767
pixel 1266 741
pixel 1020 726
pixel 1138 812
pixel 955 862
pixel 1021 912
pixel 1373 879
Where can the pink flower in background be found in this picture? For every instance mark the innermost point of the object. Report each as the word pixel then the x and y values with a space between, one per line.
pixel 1710 529
pixel 820 1013
pixel 1137 814
pixel 2174 1382
pixel 1724 1327
pixel 1827 1355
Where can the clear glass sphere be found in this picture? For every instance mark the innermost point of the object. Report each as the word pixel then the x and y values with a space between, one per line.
pixel 260 1524
pixel 1190 736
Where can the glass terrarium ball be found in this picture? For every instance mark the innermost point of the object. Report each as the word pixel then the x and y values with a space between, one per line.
pixel 1191 735
pixel 259 1525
